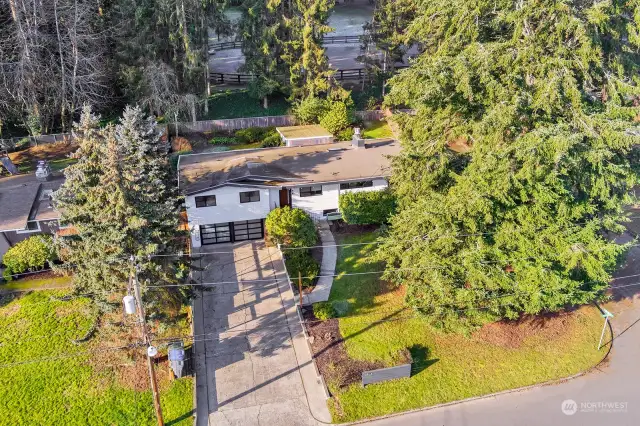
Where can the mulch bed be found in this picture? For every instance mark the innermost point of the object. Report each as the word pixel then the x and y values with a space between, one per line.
pixel 50 151
pixel 512 334
pixel 331 355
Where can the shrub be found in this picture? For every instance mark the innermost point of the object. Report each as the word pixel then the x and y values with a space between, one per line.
pixel 324 311
pixel 223 140
pixel 341 307
pixel 300 263
pixel 367 207
pixel 346 134
pixel 180 144
pixel 310 110
pixel 337 118
pixel 253 134
pixel 29 254
pixel 272 140
pixel 291 227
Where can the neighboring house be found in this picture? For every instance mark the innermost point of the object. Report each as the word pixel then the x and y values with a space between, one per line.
pixel 25 209
pixel 229 194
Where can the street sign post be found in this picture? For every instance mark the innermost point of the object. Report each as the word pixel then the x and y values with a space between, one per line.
pixel 606 314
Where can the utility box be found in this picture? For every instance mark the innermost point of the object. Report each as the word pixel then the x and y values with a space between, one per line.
pixel 177 359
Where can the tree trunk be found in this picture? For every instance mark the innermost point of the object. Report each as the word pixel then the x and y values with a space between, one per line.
pixel 265 102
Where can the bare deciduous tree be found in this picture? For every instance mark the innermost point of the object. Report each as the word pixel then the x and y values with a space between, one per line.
pixel 52 61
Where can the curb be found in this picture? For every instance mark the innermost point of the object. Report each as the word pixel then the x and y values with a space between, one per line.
pixel 495 394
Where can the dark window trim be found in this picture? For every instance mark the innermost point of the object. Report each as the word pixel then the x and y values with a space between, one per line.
pixel 357 184
pixel 308 191
pixel 205 201
pixel 251 197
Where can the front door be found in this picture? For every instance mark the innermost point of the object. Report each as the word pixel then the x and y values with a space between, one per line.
pixel 284 198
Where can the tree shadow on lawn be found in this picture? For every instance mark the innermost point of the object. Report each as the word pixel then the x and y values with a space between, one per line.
pixel 362 289
pixel 420 355
pixel 177 420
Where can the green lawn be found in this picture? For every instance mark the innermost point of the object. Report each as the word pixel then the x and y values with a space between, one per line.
pixel 447 367
pixel 377 130
pixel 36 283
pixel 238 104
pixel 78 390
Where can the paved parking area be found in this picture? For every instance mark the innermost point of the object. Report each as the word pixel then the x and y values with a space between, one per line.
pixel 246 363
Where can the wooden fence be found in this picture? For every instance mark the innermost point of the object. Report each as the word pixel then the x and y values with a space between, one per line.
pixel 235 79
pixel 271 121
pixel 228 125
pixel 216 46
pixel 231 124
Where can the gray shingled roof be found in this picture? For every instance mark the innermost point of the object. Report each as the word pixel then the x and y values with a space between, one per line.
pixel 20 201
pixel 297 165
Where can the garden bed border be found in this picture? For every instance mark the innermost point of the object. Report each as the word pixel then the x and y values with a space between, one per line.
pixel 296 299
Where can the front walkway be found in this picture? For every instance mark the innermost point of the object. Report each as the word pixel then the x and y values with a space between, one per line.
pixel 322 290
pixel 249 368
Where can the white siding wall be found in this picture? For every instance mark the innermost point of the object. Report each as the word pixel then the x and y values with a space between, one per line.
pixel 228 208
pixel 329 198
pixel 317 203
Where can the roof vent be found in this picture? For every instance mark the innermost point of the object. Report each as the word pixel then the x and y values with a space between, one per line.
pixel 46 195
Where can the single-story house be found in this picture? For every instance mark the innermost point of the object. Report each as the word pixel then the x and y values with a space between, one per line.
pixel 311 134
pixel 25 208
pixel 229 194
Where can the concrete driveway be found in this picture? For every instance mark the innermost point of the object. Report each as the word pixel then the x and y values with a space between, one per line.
pixel 247 366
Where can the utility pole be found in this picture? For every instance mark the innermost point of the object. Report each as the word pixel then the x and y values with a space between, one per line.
pixel 147 341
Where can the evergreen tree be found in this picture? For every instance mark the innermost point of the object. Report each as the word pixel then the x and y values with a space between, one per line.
pixel 263 32
pixel 118 199
pixel 519 159
pixel 385 42
pixel 161 51
pixel 309 73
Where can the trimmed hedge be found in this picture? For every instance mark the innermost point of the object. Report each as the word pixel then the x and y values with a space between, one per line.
pixel 30 254
pixel 290 227
pixel 367 207
pixel 300 263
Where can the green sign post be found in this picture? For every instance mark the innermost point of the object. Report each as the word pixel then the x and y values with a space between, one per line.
pixel 606 314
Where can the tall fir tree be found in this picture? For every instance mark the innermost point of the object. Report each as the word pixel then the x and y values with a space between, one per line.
pixel 263 32
pixel 519 159
pixel 118 198
pixel 309 72
pixel 385 40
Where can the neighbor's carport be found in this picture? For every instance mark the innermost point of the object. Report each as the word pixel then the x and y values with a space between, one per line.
pixel 305 135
